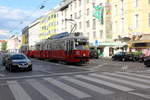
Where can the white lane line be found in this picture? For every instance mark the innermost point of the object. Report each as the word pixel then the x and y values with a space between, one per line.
pixel 50 95
pixel 116 86
pixel 87 85
pixel 140 95
pixel 128 82
pixel 67 88
pixel 133 74
pixel 18 91
pixel 2 75
pixel 55 74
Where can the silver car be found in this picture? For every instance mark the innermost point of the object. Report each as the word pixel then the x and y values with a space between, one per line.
pixel 18 61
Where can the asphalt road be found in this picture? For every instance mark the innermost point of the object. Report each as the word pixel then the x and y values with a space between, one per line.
pixel 101 79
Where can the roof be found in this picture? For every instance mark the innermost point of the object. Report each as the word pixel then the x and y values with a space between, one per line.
pixel 2 41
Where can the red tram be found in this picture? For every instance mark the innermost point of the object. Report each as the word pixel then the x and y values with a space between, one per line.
pixel 63 47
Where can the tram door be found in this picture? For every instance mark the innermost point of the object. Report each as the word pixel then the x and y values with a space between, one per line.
pixel 69 47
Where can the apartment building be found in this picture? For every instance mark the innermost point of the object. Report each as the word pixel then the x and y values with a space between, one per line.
pixel 34 33
pixel 131 21
pixel 49 24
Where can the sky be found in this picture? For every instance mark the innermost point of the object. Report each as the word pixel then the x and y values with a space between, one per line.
pixel 16 14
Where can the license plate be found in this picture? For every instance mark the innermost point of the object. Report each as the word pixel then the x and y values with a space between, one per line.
pixel 23 66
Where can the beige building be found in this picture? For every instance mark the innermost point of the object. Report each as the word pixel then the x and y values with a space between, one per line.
pixel 131 22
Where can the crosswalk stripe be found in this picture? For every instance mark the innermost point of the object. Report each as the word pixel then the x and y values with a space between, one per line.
pixel 133 74
pixel 87 85
pixel 129 82
pixel 116 86
pixel 140 95
pixel 2 75
pixel 18 91
pixel 50 95
pixel 67 88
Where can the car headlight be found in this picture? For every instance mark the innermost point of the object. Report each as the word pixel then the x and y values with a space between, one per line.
pixel 29 63
pixel 14 64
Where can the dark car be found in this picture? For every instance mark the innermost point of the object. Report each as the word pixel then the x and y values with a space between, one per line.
pixel 93 54
pixel 18 61
pixel 123 56
pixel 147 61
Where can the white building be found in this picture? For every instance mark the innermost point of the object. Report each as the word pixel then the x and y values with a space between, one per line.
pixel 34 34
pixel 13 44
pixel 93 19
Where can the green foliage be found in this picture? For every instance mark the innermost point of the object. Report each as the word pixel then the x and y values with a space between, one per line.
pixel 137 53
pixel 4 46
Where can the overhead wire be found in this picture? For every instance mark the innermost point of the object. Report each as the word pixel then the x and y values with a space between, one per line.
pixel 40 6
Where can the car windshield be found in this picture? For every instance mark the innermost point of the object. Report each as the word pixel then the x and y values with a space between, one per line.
pixel 18 56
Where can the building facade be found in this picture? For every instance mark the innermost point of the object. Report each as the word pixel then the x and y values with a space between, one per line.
pixel 49 24
pixel 92 18
pixel 34 33
pixel 131 20
pixel 14 44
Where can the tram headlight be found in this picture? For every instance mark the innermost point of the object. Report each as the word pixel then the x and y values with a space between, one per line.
pixel 84 54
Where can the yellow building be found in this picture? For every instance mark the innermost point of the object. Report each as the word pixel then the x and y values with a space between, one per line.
pixel 130 19
pixel 48 24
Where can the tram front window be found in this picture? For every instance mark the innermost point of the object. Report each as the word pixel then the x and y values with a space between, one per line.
pixel 81 44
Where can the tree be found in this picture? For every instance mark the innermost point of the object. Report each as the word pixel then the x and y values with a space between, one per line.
pixel 4 45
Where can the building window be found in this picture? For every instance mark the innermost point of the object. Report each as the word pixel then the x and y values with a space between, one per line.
pixel 94 24
pixel 80 25
pixel 70 16
pixel 136 21
pixel 79 3
pixel 87 1
pixel 88 24
pixel 87 11
pixel 122 8
pixel 75 4
pixel 149 19
pixel 115 10
pixel 79 13
pixel 136 3
pixel 101 34
pixel 94 35
pixel 122 22
pixel 71 7
pixel 93 4
pixel 75 15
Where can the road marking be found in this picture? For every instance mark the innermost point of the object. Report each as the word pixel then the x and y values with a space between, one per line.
pixel 99 66
pixel 140 95
pixel 2 75
pixel 18 91
pixel 116 86
pixel 55 74
pixel 87 85
pixel 50 95
pixel 128 82
pixel 133 74
pixel 67 88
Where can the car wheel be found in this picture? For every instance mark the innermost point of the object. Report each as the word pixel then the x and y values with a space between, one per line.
pixel 10 68
pixel 123 59
pixel 147 65
pixel 30 69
